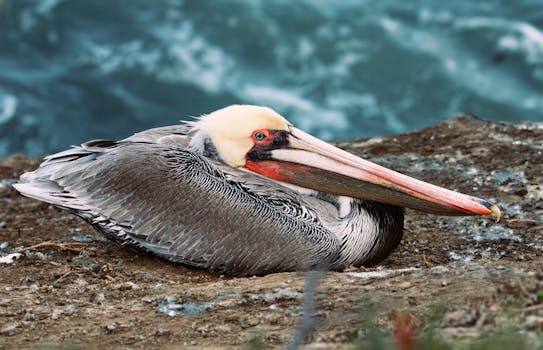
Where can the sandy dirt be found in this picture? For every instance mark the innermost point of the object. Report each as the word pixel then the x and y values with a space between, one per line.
pixel 476 275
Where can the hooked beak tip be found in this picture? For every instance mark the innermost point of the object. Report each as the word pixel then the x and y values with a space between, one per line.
pixel 495 212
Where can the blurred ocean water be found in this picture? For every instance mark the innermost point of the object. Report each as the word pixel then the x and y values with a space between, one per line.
pixel 73 70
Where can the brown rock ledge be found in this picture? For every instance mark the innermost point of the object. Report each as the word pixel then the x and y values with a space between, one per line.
pixel 482 275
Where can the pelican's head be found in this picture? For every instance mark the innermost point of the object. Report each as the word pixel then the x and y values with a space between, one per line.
pixel 262 141
pixel 234 130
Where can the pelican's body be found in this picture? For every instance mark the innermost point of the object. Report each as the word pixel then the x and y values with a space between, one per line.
pixel 240 191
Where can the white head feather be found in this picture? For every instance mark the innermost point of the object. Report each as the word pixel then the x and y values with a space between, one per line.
pixel 230 130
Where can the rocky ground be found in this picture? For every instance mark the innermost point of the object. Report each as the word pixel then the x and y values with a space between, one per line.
pixel 460 278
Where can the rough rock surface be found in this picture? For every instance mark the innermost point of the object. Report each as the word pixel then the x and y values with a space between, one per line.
pixel 479 275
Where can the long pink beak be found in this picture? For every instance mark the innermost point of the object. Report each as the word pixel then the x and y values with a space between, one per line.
pixel 312 163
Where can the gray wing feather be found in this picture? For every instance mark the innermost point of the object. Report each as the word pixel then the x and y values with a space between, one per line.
pixel 176 134
pixel 184 207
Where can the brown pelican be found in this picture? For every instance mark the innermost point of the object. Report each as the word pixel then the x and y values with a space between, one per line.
pixel 240 191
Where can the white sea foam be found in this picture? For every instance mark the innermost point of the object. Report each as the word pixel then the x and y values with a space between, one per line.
pixel 111 58
pixel 464 67
pixel 195 59
pixel 517 36
pixel 8 107
pixel 187 57
pixel 46 6
pixel 441 16
pixel 277 97
pixel 389 24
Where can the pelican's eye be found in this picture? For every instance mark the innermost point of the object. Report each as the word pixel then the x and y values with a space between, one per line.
pixel 259 136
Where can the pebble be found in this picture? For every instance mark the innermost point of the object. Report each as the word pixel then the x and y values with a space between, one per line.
pixel 126 286
pixel 461 318
pixel 277 294
pixel 70 309
pixel 3 245
pixel 10 258
pixel 9 328
pixel 97 297
pixel 224 328
pixel 170 307
pixel 110 328
pixel 81 282
pixel 405 285
pixel 38 255
pixel 534 323
pixel 87 263
pixel 56 313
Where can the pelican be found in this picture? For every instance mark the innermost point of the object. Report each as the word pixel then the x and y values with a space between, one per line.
pixel 240 191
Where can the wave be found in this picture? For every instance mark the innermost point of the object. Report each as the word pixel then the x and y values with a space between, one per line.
pixel 340 70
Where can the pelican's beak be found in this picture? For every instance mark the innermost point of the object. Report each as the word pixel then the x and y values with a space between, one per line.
pixel 312 163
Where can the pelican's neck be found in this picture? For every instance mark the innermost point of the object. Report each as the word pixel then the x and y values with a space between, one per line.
pixel 368 231
pixel 201 143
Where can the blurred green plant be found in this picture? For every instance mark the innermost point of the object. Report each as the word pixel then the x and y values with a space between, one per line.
pixel 67 345
pixel 370 336
pixel 405 336
pixel 429 339
pixel 257 341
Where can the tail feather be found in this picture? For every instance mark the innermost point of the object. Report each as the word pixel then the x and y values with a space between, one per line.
pixel 43 183
pixel 50 192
